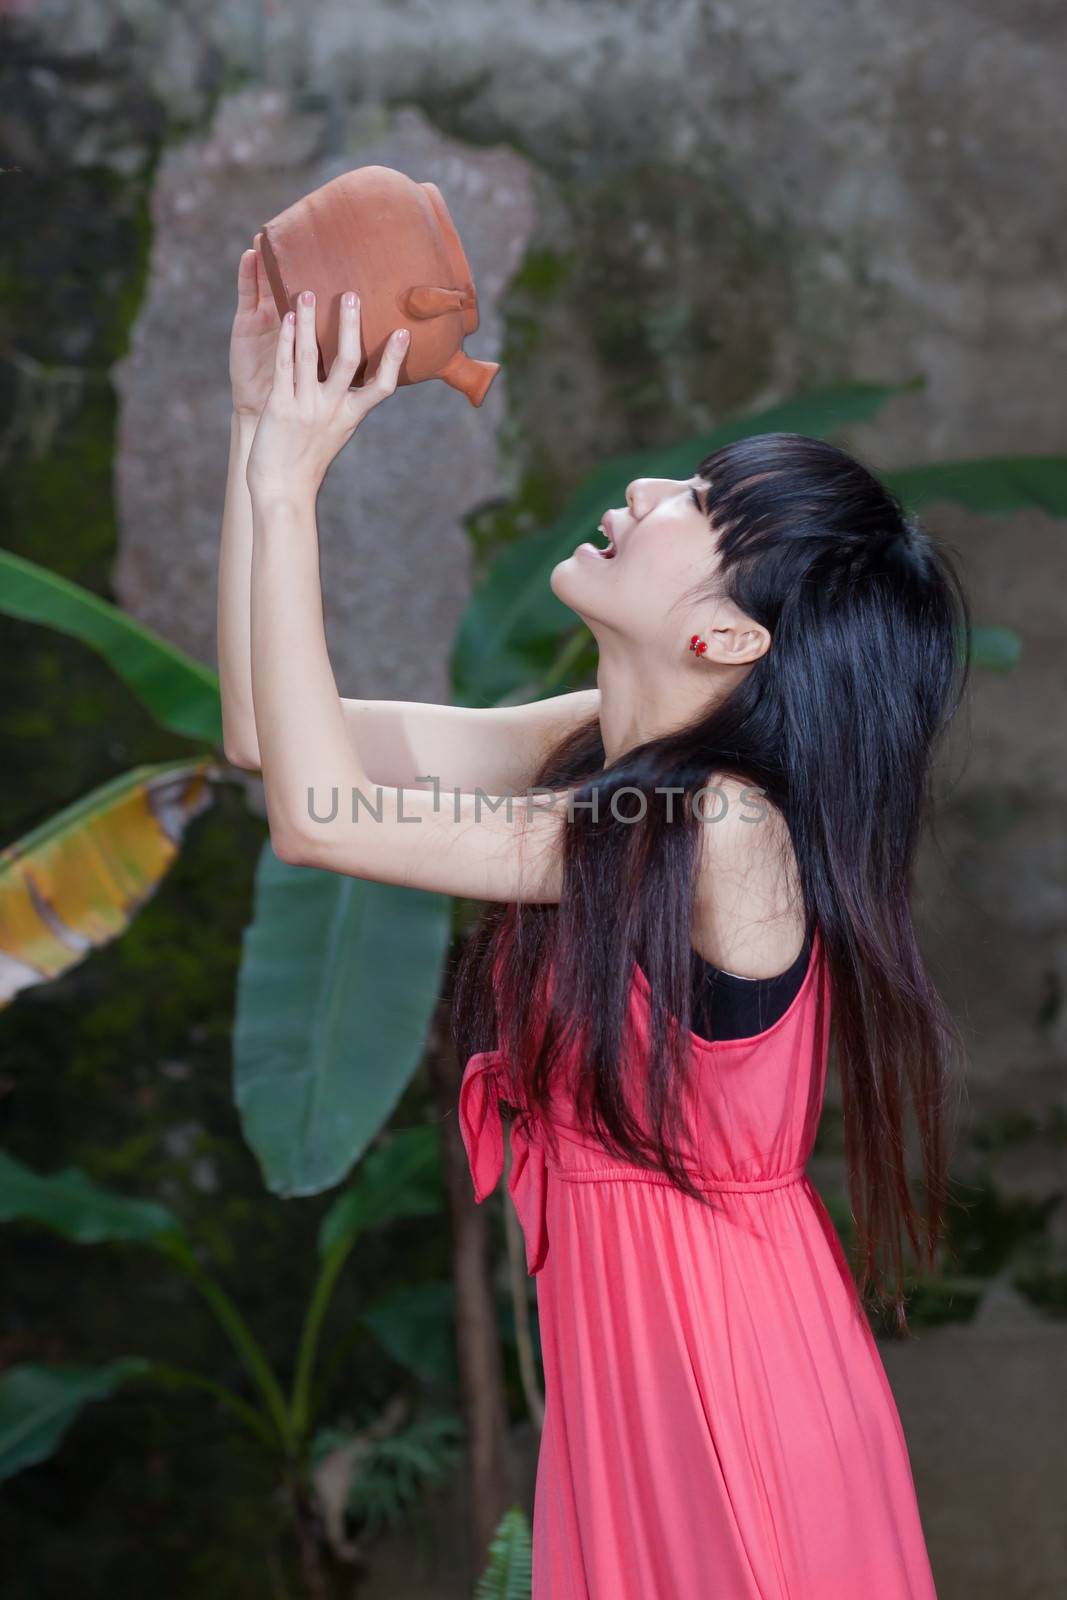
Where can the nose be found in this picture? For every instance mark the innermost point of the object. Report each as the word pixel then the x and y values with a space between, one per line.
pixel 643 493
pixel 636 497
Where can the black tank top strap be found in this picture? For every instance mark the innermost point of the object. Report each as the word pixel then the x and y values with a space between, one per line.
pixel 728 1006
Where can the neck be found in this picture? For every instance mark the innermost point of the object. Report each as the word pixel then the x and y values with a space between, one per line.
pixel 642 699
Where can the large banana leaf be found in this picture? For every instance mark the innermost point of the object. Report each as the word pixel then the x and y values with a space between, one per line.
pixel 999 649
pixel 38 1405
pixel 995 485
pixel 399 1178
pixel 416 1327
pixel 180 693
pixel 339 979
pixel 78 880
pixel 73 1205
pixel 514 613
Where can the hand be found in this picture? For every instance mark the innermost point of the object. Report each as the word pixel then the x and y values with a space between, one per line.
pixel 305 423
pixel 253 336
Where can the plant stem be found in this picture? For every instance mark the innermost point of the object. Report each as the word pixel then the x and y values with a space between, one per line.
pixel 178 1377
pixel 299 1410
pixel 240 1335
pixel 570 653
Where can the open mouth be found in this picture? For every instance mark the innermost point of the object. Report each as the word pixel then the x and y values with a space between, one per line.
pixel 608 552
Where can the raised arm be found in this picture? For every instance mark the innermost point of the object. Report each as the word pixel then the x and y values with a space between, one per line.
pixel 253 340
pixel 323 807
pixel 323 804
pixel 497 750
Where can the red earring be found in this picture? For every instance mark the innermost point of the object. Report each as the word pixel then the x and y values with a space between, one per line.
pixel 697 645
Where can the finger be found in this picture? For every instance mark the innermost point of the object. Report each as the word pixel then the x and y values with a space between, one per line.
pixel 385 378
pixel 246 281
pixel 283 356
pixel 307 350
pixel 349 346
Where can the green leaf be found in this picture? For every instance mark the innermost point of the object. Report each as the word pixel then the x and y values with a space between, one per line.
pixel 397 1469
pixel 73 1205
pixel 509 1573
pixel 180 693
pixel 38 1405
pixel 997 648
pixel 338 983
pixel 416 1327
pixel 401 1177
pixel 373 1475
pixel 994 485
pixel 515 612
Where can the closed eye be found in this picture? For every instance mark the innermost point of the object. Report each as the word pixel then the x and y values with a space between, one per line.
pixel 696 500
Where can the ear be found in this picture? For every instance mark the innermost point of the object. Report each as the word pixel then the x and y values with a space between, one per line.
pixel 735 640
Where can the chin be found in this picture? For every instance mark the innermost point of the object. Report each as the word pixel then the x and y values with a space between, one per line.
pixel 566 584
pixel 574 582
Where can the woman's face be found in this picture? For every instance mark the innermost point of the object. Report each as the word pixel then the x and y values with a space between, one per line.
pixel 662 545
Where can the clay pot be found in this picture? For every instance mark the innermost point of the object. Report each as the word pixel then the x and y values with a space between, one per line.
pixel 391 240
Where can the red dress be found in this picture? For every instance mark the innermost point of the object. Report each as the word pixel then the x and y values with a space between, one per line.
pixel 718 1421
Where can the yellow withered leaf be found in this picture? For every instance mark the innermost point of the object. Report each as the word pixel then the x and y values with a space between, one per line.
pixel 76 882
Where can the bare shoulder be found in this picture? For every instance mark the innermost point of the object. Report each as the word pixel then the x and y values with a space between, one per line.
pixel 749 913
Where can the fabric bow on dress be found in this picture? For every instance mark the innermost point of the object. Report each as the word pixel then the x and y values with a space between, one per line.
pixel 485 1083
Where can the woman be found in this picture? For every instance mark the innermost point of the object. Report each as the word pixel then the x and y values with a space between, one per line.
pixel 700 854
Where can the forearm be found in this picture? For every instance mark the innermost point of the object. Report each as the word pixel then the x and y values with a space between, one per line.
pixel 234 601
pixel 312 769
pixel 304 744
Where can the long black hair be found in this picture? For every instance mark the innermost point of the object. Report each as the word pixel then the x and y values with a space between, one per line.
pixel 836 725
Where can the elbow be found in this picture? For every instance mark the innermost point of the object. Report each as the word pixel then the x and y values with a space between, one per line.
pixel 239 755
pixel 240 745
pixel 291 847
pixel 291 839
